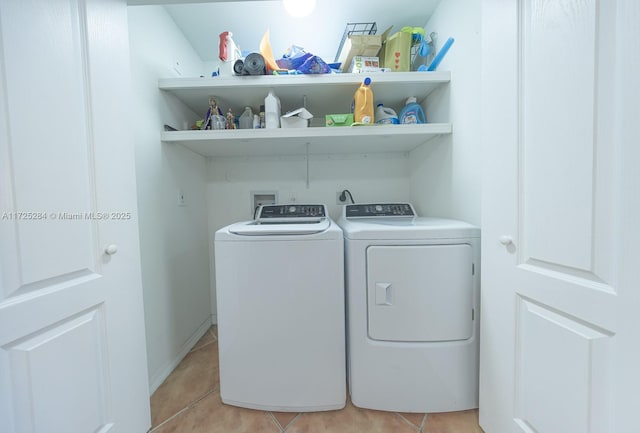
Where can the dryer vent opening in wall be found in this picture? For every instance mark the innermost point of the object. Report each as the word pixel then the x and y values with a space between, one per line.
pixel 262 198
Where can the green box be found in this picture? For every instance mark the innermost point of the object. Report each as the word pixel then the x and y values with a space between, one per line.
pixel 339 119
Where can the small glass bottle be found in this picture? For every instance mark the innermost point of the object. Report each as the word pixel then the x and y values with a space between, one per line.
pixel 262 118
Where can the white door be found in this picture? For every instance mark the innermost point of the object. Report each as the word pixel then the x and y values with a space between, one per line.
pixel 560 330
pixel 72 347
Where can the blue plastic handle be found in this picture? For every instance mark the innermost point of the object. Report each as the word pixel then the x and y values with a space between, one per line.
pixel 438 58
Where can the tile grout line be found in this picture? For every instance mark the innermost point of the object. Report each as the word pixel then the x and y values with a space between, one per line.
pixel 407 422
pixel 275 420
pixel 293 420
pixel 424 423
pixel 184 409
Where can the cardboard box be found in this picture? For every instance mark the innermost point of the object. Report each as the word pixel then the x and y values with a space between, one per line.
pixel 339 119
pixel 296 119
pixel 361 64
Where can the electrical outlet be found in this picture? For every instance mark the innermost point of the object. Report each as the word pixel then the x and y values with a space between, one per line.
pixel 341 202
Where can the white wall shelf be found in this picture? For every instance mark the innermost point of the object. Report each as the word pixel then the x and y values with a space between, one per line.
pixel 323 94
pixel 262 142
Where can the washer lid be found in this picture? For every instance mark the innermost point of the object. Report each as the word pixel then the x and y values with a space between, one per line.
pixel 261 228
pixel 285 219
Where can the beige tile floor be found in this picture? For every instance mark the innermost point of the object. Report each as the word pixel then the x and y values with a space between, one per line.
pixel 189 402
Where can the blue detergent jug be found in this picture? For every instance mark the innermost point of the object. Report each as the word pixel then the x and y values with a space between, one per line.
pixel 412 113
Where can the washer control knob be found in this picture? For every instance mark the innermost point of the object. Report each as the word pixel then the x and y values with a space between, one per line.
pixel 292 209
pixel 378 208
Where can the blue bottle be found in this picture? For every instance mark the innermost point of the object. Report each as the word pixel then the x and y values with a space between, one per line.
pixel 412 113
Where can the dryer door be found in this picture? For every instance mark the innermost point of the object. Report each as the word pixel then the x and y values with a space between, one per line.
pixel 420 292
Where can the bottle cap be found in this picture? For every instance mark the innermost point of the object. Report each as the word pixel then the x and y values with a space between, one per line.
pixel 411 99
pixel 367 81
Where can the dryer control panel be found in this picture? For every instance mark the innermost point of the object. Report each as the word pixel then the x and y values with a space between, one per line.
pixel 379 210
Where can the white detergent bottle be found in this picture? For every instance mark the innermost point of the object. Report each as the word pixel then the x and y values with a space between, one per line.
pixel 412 112
pixel 386 115
pixel 272 111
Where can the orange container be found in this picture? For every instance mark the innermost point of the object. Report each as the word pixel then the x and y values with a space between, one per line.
pixel 363 103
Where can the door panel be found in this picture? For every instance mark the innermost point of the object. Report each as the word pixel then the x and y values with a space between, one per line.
pixel 72 348
pixel 47 94
pixel 557 109
pixel 557 199
pixel 562 367
pixel 566 163
pixel 51 402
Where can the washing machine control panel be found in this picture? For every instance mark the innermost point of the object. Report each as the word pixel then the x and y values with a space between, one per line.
pixel 289 212
pixel 379 210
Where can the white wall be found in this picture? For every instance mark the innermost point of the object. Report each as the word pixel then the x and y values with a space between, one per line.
pixel 446 172
pixel 174 247
pixel 369 178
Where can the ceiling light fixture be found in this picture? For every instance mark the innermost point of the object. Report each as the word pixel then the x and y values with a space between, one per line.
pixel 299 8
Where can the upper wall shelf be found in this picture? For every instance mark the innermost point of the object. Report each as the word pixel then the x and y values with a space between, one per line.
pixel 325 93
pixel 315 141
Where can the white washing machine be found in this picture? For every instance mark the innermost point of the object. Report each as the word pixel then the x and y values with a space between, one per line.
pixel 412 309
pixel 281 313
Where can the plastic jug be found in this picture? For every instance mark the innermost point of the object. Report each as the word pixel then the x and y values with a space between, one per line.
pixel 363 103
pixel 246 119
pixel 386 115
pixel 412 112
pixel 271 111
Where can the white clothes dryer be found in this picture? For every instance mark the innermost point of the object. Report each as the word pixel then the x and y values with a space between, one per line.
pixel 280 306
pixel 412 309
